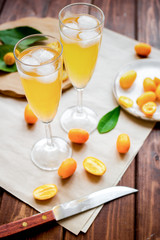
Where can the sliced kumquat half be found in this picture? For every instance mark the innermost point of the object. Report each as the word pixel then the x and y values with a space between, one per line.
pixel 125 101
pixel 45 191
pixel 149 108
pixel 94 166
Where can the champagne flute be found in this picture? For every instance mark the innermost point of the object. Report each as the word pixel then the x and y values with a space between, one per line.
pixel 40 69
pixel 81 26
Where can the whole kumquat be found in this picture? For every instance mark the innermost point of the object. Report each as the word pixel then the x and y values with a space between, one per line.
pixel 127 79
pixel 149 108
pixel 94 166
pixel 146 97
pixel 45 192
pixel 67 168
pixel 29 116
pixel 78 135
pixel 149 85
pixel 125 101
pixel 9 58
pixel 123 143
pixel 142 49
pixel 156 80
pixel 158 92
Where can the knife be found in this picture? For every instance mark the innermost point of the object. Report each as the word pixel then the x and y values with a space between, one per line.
pixel 66 210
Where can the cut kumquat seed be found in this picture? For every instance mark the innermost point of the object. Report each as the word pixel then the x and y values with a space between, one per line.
pixel 45 192
pixel 78 135
pixel 67 168
pixel 149 108
pixel 125 101
pixel 94 166
pixel 123 143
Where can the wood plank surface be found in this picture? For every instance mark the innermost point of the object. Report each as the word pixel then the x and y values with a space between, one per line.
pixel 147 222
pixel 133 217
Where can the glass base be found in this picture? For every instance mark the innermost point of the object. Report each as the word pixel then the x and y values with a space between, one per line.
pixel 49 155
pixel 87 119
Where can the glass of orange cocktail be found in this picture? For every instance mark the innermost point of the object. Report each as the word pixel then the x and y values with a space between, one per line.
pixel 40 70
pixel 81 26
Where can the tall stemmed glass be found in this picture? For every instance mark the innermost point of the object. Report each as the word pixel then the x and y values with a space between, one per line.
pixel 81 26
pixel 40 71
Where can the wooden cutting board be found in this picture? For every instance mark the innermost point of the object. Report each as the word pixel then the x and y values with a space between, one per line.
pixel 10 82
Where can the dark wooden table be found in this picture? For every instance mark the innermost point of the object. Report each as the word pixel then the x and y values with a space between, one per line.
pixel 132 217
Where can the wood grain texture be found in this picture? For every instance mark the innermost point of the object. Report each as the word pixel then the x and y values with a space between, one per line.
pixel 12 210
pixel 119 15
pixel 38 8
pixel 26 223
pixel 148 183
pixel 147 223
pixel 148 27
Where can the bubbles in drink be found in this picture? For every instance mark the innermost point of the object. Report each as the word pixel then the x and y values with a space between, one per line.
pixel 87 22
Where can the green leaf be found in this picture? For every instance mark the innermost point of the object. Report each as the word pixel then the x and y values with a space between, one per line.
pixel 109 120
pixel 3 50
pixel 13 35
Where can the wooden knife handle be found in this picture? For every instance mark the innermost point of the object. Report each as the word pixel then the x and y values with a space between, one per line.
pixel 26 223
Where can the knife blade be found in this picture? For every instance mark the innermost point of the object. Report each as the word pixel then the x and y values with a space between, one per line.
pixel 66 210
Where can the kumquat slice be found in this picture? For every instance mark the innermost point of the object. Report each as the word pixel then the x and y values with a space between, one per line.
pixel 94 166
pixel 45 192
pixel 125 101
pixel 149 108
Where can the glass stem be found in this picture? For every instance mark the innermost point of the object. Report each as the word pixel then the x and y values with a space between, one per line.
pixel 79 100
pixel 48 131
